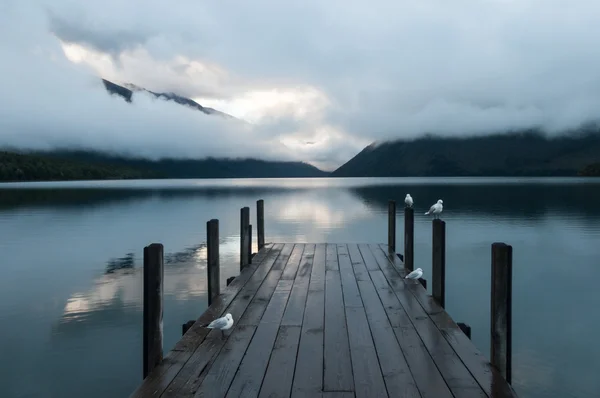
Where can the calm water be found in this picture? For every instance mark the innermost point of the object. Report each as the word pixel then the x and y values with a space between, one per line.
pixel 71 285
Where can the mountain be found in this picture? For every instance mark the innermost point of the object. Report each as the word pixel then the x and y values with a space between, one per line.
pixel 195 168
pixel 90 165
pixel 591 170
pixel 527 153
pixel 128 89
pixel 35 167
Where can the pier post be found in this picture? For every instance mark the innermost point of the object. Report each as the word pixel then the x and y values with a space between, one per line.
pixel 392 225
pixel 501 311
pixel 260 223
pixel 244 224
pixel 438 262
pixel 212 260
pixel 409 238
pixel 186 326
pixel 466 329
pixel 249 247
pixel 153 307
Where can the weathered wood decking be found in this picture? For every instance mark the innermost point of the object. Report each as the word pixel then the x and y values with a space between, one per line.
pixel 326 320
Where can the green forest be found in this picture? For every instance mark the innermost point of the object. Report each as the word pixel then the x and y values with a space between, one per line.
pixel 28 167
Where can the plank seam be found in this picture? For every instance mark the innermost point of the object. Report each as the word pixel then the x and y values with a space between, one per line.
pixel 207 367
pixel 415 327
pixel 389 322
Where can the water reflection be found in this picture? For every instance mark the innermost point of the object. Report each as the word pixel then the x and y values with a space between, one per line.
pixel 71 292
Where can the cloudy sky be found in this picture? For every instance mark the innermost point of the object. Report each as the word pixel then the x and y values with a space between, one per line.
pixel 309 80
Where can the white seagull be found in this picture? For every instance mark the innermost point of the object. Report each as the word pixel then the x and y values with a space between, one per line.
pixel 416 274
pixel 408 200
pixel 223 323
pixel 436 209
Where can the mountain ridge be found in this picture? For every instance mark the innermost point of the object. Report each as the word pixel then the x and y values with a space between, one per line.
pixel 524 153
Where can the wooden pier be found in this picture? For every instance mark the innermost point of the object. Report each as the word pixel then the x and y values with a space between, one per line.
pixel 330 320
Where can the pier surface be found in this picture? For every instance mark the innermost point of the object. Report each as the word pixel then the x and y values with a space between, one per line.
pixel 325 320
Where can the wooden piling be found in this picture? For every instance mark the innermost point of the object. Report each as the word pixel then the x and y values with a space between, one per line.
pixel 244 224
pixel 392 225
pixel 438 262
pixel 260 223
pixel 212 260
pixel 153 307
pixel 186 326
pixel 409 238
pixel 249 247
pixel 501 309
pixel 466 329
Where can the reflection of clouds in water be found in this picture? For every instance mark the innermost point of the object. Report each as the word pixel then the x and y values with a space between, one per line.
pixel 320 210
pixel 183 281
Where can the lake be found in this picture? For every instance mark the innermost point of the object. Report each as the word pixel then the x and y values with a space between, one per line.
pixel 71 285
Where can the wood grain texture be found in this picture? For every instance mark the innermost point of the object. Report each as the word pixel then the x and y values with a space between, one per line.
pixel 326 320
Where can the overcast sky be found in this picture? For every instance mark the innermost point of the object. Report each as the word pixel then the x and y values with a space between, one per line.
pixel 309 80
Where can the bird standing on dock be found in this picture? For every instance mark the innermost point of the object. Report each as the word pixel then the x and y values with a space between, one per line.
pixel 223 323
pixel 408 200
pixel 436 209
pixel 416 274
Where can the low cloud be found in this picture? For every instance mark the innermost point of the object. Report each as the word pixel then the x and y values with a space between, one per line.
pixel 313 80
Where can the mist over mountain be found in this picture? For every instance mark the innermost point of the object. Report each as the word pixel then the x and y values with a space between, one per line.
pixel 525 153
pixel 127 90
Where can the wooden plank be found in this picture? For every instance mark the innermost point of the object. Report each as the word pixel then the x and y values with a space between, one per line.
pixel 153 307
pixel 360 270
pixel 338 367
pixel 308 373
pixel 349 286
pixel 453 370
pixel 259 303
pixel 294 312
pixel 317 274
pixel 292 265
pixel 486 375
pixel 369 260
pixel 213 278
pixel 280 372
pixel 282 260
pixel 217 379
pixel 186 381
pixel 396 373
pixel 331 259
pixel 368 380
pixel 249 377
pixel 171 367
pixel 427 376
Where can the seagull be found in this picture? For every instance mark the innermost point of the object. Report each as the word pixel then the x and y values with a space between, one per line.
pixel 416 274
pixel 408 200
pixel 436 209
pixel 223 323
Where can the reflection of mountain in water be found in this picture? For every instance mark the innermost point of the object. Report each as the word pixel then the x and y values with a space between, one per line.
pixel 116 296
pixel 525 199
pixel 119 264
pixel 85 198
